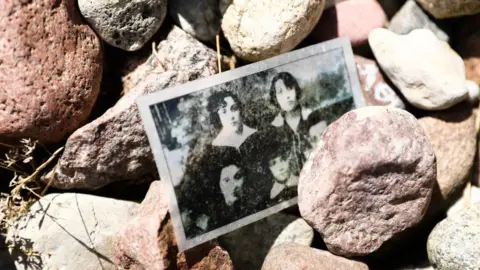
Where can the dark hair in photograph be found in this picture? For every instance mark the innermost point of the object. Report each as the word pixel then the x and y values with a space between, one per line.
pixel 276 146
pixel 289 81
pixel 217 100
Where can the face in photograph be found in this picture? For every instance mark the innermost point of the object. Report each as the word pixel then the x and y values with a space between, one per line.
pixel 280 169
pixel 286 97
pixel 231 182
pixel 229 114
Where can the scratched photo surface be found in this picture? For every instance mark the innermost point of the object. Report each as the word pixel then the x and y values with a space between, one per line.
pixel 237 148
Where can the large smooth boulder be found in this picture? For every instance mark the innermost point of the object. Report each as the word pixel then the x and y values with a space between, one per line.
pixel 291 256
pixel 453 243
pixel 50 70
pixel 69 231
pixel 127 25
pixel 265 28
pixel 369 179
pixel 448 8
pixel 426 70
pixel 114 147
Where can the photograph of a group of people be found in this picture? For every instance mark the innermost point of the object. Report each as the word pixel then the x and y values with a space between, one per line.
pixel 237 148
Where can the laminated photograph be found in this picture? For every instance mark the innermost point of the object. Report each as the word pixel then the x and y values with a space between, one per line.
pixel 230 147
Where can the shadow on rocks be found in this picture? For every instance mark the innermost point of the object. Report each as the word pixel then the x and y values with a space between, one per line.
pixel 7 260
pixel 408 247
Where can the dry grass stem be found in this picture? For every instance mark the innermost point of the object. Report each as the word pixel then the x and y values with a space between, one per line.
pixel 219 55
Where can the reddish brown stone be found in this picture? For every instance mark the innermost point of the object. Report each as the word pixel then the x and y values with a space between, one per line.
pixel 148 241
pixel 50 69
pixel 206 256
pixel 453 136
pixel 369 180
pixel 290 256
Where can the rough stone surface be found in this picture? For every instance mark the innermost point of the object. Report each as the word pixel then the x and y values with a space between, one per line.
pixel 448 9
pixel 248 250
pixel 178 51
pixel 50 70
pixel 410 17
pixel 199 18
pixel 205 256
pixel 127 25
pixel 291 256
pixel 114 147
pixel 426 70
pixel 454 138
pixel 470 196
pixel 70 231
pixel 148 241
pixel 343 20
pixel 258 30
pixel 374 88
pixel 370 178
pixel 453 243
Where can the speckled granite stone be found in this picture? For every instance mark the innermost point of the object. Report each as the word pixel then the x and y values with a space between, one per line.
pixel 454 243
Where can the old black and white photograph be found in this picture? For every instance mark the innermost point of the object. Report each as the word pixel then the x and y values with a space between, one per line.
pixel 232 152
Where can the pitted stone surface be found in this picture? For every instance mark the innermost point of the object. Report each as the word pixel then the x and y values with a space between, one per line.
pixel 50 70
pixel 124 24
pixel 370 178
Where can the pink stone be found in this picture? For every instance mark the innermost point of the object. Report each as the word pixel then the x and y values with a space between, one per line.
pixel 353 19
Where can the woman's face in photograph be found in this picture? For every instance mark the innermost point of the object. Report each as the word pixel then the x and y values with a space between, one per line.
pixel 279 167
pixel 230 114
pixel 231 182
pixel 286 97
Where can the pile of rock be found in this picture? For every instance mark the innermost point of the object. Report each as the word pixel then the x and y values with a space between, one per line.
pixel 380 175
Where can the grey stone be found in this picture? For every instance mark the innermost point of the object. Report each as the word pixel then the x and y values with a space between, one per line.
pixel 248 249
pixel 69 231
pixel 199 18
pixel 261 29
pixel 448 9
pixel 114 147
pixel 454 242
pixel 291 256
pixel 369 179
pixel 410 17
pixel 430 75
pixel 127 25
pixel 178 51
